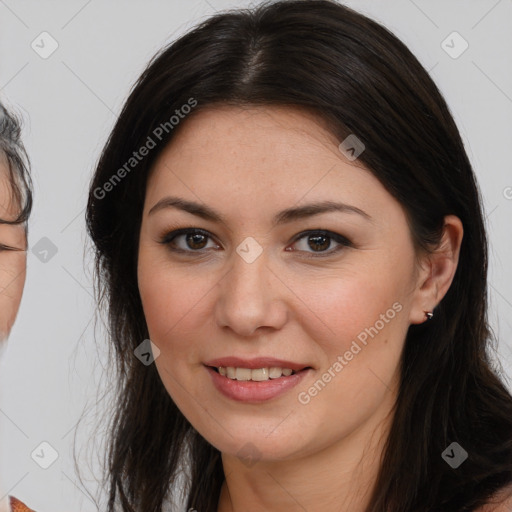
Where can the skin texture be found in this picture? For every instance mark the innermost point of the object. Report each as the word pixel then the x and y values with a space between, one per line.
pixel 12 276
pixel 248 164
pixel 12 262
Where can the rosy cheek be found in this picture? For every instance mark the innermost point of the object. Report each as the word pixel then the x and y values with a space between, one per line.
pixel 168 306
pixel 348 309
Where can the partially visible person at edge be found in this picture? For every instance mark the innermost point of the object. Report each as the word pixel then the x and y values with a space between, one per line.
pixel 363 291
pixel 15 207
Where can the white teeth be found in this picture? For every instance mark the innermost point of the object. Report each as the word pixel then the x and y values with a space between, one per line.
pixel 243 373
pixel 274 373
pixel 259 374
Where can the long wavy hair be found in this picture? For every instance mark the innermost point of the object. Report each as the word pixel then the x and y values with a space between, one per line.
pixel 359 78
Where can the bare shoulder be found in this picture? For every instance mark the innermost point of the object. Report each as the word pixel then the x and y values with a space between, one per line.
pixel 502 501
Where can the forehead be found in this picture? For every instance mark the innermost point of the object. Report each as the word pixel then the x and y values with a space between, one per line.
pixel 246 145
pixel 244 127
pixel 253 143
pixel 9 208
pixel 4 164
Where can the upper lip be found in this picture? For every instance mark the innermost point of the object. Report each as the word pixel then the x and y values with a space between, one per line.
pixel 259 362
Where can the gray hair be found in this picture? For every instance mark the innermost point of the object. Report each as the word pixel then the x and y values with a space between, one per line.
pixel 18 165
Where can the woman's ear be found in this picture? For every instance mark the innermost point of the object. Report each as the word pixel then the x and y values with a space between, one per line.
pixel 437 271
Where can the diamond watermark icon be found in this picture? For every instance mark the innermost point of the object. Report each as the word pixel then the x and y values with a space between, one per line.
pixel 44 455
pixel 44 249
pixel 44 45
pixel 352 147
pixel 147 352
pixel 454 45
pixel 454 455
pixel 249 249
pixel 249 454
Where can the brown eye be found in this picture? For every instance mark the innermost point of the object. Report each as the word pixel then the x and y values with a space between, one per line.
pixel 196 240
pixel 319 242
pixel 188 240
pixel 323 243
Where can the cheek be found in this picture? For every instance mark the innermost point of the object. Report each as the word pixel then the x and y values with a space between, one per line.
pixel 173 301
pixel 359 323
pixel 12 280
pixel 341 308
pixel 178 317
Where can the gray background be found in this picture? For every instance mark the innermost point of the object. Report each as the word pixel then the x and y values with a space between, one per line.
pixel 52 368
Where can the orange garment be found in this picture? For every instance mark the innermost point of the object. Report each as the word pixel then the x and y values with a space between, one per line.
pixel 18 506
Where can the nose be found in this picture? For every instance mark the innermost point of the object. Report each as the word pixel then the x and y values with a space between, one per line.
pixel 251 298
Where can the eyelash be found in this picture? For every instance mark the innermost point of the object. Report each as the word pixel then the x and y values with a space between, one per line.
pixel 4 247
pixel 343 242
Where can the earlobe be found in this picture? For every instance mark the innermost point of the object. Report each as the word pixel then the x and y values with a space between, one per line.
pixel 442 264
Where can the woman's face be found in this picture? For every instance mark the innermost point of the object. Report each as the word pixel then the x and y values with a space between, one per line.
pixel 12 263
pixel 264 283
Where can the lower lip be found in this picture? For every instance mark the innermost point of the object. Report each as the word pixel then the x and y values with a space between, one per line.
pixel 255 391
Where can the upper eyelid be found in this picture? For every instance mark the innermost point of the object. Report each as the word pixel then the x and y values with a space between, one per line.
pixel 327 232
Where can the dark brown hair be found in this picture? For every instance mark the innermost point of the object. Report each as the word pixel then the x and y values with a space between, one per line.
pixel 360 79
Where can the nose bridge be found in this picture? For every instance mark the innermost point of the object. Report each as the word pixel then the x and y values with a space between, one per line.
pixel 248 299
pixel 247 277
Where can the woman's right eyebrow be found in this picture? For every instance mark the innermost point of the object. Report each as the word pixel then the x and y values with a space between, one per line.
pixel 283 217
pixel 192 207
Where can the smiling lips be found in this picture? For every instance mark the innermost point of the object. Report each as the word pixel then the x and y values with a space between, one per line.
pixel 254 380
pixel 259 369
pixel 259 374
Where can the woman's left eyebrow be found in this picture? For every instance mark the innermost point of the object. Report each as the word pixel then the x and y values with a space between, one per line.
pixel 283 217
pixel 308 210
